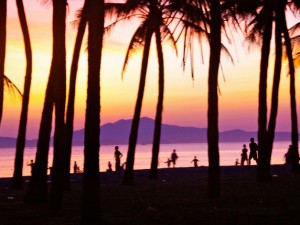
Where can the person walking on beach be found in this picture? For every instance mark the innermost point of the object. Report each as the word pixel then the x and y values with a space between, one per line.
pixel 174 157
pixel 118 156
pixel 244 156
pixel 253 149
pixel 195 161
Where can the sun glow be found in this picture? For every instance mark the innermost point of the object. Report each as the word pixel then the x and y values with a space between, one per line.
pixel 185 100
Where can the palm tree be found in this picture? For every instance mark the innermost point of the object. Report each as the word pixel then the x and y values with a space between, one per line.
pixel 146 34
pixel 294 121
pixel 141 37
pixel 55 93
pixel 3 12
pixel 263 24
pixel 276 81
pixel 263 172
pixel 17 182
pixel 260 15
pixel 159 109
pixel 59 70
pixel 71 96
pixel 155 17
pixel 91 207
pixel 212 114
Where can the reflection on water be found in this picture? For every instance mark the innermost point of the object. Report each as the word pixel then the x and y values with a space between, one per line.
pixel 229 152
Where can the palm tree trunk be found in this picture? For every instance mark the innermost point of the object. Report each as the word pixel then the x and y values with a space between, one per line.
pixel 129 173
pixel 276 82
pixel 212 115
pixel 159 108
pixel 262 169
pixel 59 65
pixel 17 180
pixel 38 190
pixel 294 121
pixel 71 98
pixel 91 205
pixel 3 14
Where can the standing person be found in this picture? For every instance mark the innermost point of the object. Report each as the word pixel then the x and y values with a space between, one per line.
pixel 253 149
pixel 244 155
pixel 288 155
pixel 118 156
pixel 75 167
pixel 174 157
pixel 31 164
pixel 195 161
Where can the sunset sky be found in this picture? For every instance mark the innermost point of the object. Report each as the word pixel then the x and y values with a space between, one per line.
pixel 185 100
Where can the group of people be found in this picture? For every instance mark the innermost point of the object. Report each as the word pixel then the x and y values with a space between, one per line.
pixel 253 153
pixel 118 155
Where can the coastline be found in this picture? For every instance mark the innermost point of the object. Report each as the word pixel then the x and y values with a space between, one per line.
pixel 177 197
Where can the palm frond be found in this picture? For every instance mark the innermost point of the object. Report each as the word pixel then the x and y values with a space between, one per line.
pixel 136 42
pixel 11 87
pixel 226 52
pixel 168 35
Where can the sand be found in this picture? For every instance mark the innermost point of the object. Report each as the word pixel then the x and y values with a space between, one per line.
pixel 177 197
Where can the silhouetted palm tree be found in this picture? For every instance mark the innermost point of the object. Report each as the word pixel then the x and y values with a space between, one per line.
pixel 159 108
pixel 3 14
pixel 155 20
pixel 212 114
pixel 263 172
pixel 90 207
pixel 276 81
pixel 259 30
pixel 294 120
pixel 72 86
pixel 141 37
pixel 17 180
pixel 55 94
pixel 204 18
pixel 264 22
pixel 59 70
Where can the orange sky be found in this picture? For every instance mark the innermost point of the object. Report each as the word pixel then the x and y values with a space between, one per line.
pixel 185 99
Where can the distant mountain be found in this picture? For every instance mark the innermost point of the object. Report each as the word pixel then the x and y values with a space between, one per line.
pixel 118 134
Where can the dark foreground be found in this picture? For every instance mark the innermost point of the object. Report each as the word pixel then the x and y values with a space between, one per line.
pixel 178 197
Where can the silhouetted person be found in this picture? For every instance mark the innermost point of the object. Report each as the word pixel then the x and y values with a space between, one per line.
pixel 253 149
pixel 174 157
pixel 75 167
pixel 109 167
pixel 237 162
pixel 288 155
pixel 195 161
pixel 168 162
pixel 31 164
pixel 118 156
pixel 244 156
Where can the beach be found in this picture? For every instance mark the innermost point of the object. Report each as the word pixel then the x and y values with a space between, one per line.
pixel 178 196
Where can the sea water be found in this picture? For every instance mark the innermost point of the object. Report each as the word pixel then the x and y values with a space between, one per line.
pixel 229 152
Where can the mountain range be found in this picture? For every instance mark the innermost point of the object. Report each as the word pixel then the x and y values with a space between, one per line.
pixel 117 133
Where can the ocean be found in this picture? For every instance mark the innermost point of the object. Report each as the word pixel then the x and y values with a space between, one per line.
pixel 229 152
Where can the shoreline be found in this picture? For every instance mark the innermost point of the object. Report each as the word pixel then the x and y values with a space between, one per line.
pixel 275 168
